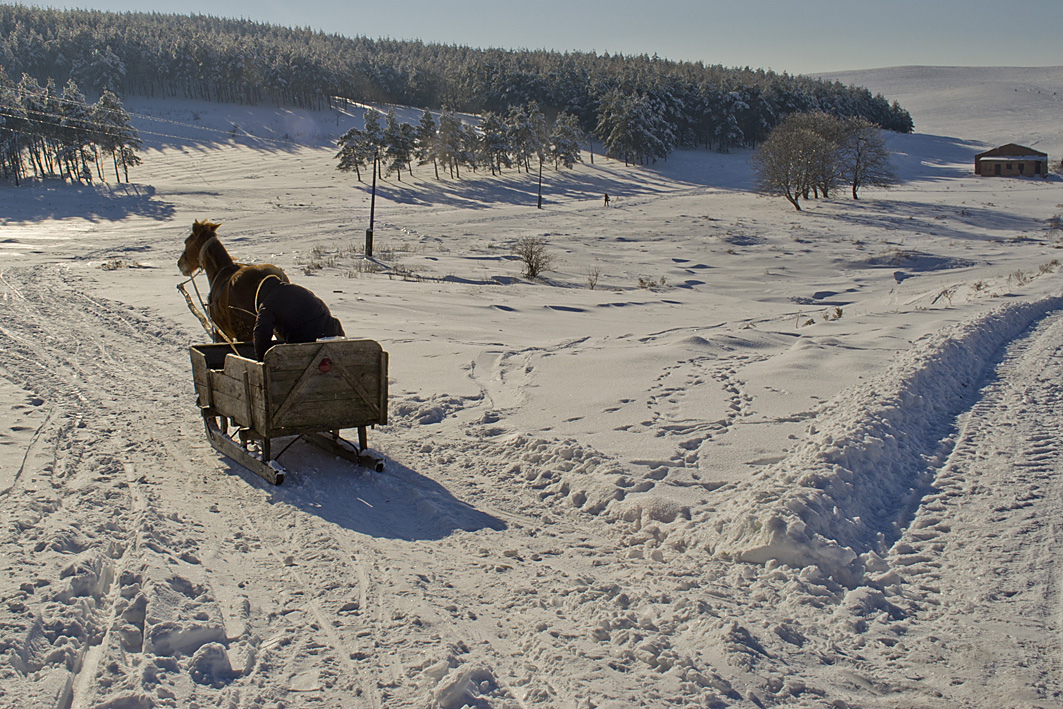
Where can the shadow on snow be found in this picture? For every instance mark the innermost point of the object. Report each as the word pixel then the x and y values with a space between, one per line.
pixel 37 200
pixel 398 503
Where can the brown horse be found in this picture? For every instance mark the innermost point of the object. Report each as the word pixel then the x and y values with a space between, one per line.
pixel 233 286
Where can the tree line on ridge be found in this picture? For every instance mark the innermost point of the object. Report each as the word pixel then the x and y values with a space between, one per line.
pixel 640 107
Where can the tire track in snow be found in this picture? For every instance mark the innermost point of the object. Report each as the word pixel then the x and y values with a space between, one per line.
pixel 975 572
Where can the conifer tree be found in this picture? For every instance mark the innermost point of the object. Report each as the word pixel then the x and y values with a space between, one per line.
pixel 427 141
pixel 451 145
pixel 354 152
pixel 113 132
pixel 494 136
pixel 565 141
pixel 13 129
pixel 373 134
pixel 399 145
pixel 75 134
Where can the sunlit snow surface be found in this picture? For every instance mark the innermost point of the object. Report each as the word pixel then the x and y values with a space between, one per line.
pixel 770 458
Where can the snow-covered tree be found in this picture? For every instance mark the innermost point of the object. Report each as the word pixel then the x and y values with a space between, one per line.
pixel 451 143
pixel 565 141
pixel 360 147
pixel 76 131
pixel 13 130
pixel 728 131
pixel 494 138
pixel 399 145
pixel 528 134
pixel 427 141
pixel 373 134
pixel 127 158
pixel 632 129
pixel 113 133
pixel 354 153
pixel 101 69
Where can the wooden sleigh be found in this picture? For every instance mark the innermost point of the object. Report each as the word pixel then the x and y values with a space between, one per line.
pixel 311 390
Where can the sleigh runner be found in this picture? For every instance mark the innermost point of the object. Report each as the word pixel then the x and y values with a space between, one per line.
pixel 311 390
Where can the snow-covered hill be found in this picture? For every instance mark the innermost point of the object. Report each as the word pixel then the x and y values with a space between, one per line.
pixel 989 105
pixel 769 459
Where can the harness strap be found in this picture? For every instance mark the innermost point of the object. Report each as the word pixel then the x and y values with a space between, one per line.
pixel 217 277
pixel 203 248
pixel 259 289
pixel 204 317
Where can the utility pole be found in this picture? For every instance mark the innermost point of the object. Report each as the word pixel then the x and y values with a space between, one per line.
pixel 540 205
pixel 372 212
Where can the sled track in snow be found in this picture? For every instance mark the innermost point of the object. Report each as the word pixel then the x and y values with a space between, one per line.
pixel 137 535
pixel 99 512
pixel 76 505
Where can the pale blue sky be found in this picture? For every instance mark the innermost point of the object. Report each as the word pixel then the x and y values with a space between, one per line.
pixel 784 35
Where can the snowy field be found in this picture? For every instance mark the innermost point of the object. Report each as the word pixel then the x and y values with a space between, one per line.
pixel 770 459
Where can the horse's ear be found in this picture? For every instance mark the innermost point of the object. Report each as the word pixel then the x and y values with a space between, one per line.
pixel 201 226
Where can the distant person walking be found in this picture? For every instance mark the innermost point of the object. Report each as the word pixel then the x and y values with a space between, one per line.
pixel 606 199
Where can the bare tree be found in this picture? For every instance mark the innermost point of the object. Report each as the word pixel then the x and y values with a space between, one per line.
pixel 809 154
pixel 780 164
pixel 867 159
pixel 820 137
pixel 531 250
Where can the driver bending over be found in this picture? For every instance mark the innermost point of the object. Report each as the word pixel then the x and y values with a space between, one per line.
pixel 293 312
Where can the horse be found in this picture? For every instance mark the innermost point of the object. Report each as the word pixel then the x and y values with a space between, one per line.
pixel 234 286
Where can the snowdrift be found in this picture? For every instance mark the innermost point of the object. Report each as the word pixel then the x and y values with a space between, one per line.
pixel 843 496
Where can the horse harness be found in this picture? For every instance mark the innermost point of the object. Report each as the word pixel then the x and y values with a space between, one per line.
pixel 260 284
pixel 217 276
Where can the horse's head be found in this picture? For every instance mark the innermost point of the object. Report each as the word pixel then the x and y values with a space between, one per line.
pixel 202 232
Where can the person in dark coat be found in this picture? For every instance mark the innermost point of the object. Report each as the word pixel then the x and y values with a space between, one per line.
pixel 293 313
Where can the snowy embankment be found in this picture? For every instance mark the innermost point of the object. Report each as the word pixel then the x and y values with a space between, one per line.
pixel 842 497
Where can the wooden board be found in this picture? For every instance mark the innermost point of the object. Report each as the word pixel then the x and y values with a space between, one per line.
pixel 326 385
pixel 314 388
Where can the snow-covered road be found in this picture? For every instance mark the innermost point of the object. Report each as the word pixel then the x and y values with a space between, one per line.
pixel 139 538
pixel 980 620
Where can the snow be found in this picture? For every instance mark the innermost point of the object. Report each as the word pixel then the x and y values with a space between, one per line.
pixel 772 458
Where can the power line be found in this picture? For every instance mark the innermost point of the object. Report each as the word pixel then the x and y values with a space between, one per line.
pixel 34 115
pixel 58 119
